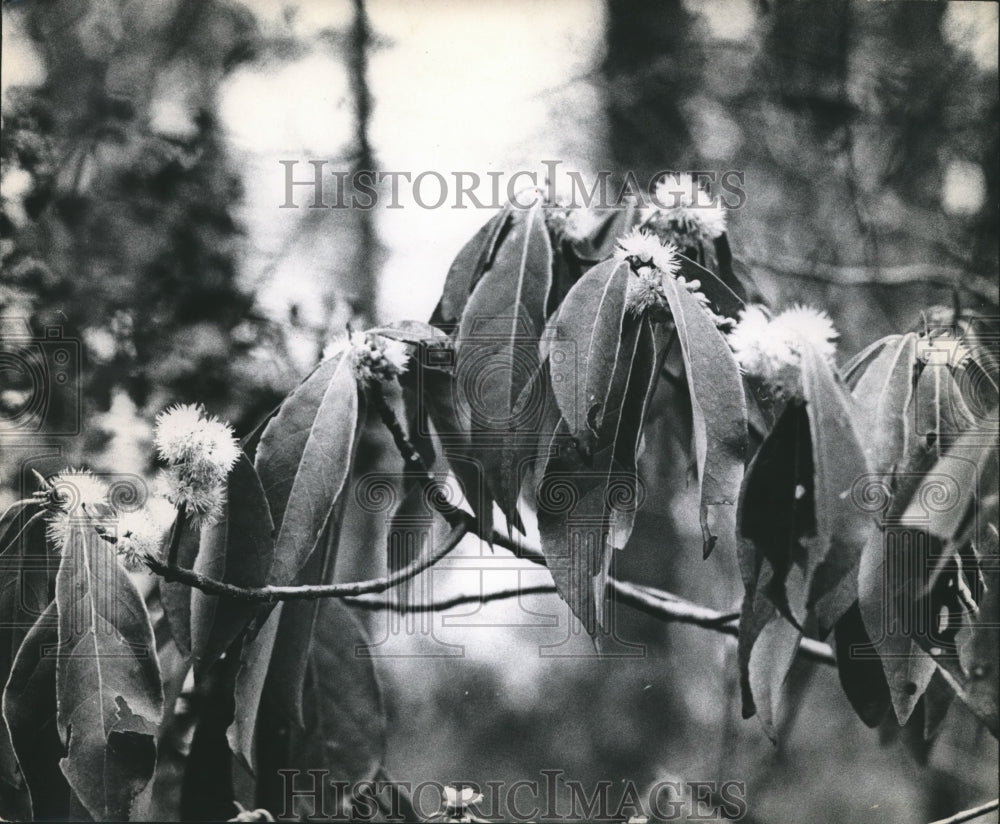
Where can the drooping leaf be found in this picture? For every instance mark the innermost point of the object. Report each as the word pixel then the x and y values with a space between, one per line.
pixel 176 597
pixel 304 459
pixel 860 669
pixel 852 371
pixel 719 410
pixel 776 513
pixel 843 529
pixel 723 300
pixel 108 690
pixel 586 499
pixel 345 726
pixel 255 658
pixel 608 225
pixel 889 584
pixel 237 549
pixel 430 394
pixel 883 392
pixel 497 348
pixel 582 342
pixel 468 268
pixel 769 663
pixel 27 578
pixel 29 709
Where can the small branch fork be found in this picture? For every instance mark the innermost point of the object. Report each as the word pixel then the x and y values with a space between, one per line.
pixel 364 594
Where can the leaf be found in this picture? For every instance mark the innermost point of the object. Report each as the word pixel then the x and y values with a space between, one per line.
pixel 304 460
pixel 430 393
pixel 176 596
pixel 768 667
pixel 887 598
pixel 27 577
pixel 718 406
pixel 860 669
pixel 776 512
pixel 600 242
pixel 284 643
pixel 29 709
pixel 497 349
pixel 237 549
pixel 468 268
pixel 586 500
pixel 883 393
pixel 108 689
pixel 255 658
pixel 582 342
pixel 727 273
pixel 724 301
pixel 852 371
pixel 842 527
pixel 345 726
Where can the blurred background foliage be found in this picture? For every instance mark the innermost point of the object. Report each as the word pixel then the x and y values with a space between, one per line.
pixel 140 194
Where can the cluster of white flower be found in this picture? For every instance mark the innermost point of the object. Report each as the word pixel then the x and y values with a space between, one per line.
pixel 141 532
pixel 200 451
pixel 771 348
pixel 372 357
pixel 683 212
pixel 652 261
pixel 76 494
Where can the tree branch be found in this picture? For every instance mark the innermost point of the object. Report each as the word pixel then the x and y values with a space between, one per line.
pixel 968 815
pixel 662 605
pixel 307 592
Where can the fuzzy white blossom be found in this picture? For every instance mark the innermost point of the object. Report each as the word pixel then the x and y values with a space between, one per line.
pixel 200 450
pixel 372 357
pixel 684 212
pixel 771 348
pixel 652 262
pixel 643 248
pixel 141 532
pixel 74 494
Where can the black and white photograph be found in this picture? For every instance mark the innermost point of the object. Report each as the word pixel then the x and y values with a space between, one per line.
pixel 500 411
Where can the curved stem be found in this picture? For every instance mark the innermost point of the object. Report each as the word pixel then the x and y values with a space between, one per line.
pixel 306 592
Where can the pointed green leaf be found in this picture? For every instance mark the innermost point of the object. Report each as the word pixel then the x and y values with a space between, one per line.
pixel 110 699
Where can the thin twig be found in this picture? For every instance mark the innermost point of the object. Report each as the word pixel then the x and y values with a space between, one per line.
pixel 271 594
pixel 658 604
pixel 968 815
